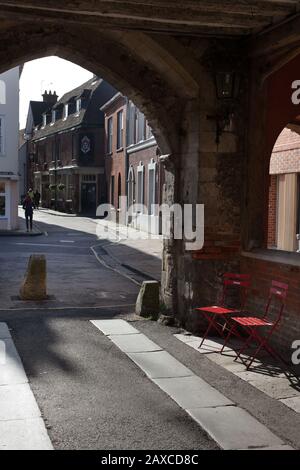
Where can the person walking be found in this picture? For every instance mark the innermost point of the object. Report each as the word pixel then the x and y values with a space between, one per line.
pixel 36 199
pixel 28 208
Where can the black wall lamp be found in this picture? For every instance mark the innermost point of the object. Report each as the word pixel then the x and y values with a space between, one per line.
pixel 227 88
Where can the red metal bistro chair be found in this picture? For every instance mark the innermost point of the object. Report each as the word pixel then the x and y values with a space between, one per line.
pixel 216 313
pixel 253 325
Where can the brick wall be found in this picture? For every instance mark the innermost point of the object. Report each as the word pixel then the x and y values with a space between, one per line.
pixel 272 213
pixel 286 153
pixel 115 164
pixel 263 272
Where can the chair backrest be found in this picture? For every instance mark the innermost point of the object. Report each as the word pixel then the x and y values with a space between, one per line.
pixel 240 281
pixel 278 290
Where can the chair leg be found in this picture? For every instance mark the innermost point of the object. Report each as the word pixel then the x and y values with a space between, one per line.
pixel 244 346
pixel 210 325
pixel 263 343
pixel 229 334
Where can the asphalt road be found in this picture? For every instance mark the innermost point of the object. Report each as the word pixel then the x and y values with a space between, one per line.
pixel 90 394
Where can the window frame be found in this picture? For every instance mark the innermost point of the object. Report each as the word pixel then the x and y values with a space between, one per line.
pixel 2 135
pixel 66 111
pixel 4 194
pixel 109 135
pixel 120 129
pixel 78 106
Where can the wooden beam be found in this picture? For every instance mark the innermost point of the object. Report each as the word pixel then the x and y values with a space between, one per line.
pixel 214 14
pixel 282 35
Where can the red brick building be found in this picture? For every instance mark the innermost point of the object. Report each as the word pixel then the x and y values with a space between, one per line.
pixel 115 147
pixel 132 164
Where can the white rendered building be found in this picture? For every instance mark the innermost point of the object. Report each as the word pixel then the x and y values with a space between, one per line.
pixel 9 134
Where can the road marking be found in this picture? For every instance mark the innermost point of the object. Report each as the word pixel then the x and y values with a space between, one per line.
pixel 67 241
pixel 101 261
pixel 21 424
pixel 229 425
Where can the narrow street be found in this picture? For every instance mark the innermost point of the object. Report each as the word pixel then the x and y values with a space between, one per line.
pixel 91 396
pixel 93 387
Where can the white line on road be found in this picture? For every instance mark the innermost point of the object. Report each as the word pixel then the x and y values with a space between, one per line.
pixel 67 241
pixel 21 424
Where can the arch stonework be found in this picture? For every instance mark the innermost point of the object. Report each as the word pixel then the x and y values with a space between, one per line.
pixel 169 77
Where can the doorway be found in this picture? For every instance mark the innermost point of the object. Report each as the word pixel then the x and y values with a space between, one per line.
pixel 88 198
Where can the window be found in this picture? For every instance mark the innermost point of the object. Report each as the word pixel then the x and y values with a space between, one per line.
pixel 148 131
pixel 109 134
pixel 140 188
pixel 112 190
pixel 89 178
pixel 44 120
pixel 2 92
pixel 283 203
pixel 151 187
pixel 53 116
pixel 66 111
pixel 136 126
pixel 1 135
pixel 2 200
pixel 120 129
pixel 78 106
pixel 119 190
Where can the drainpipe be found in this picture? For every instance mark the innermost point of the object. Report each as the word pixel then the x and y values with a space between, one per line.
pixel 298 238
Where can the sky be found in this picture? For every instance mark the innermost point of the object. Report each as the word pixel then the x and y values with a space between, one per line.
pixel 48 73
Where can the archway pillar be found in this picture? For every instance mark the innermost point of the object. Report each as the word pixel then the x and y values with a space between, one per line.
pixel 209 173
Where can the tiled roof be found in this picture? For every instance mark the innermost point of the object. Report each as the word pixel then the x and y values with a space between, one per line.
pixel 38 108
pixel 74 119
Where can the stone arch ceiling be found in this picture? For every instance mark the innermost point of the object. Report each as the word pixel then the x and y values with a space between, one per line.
pixel 135 45
pixel 133 62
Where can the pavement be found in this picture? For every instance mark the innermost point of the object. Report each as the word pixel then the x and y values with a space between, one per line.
pixel 146 387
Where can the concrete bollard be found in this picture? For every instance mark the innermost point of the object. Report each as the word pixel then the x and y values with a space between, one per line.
pixel 34 286
pixel 147 303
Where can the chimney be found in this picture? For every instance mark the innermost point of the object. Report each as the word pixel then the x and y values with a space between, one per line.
pixel 50 97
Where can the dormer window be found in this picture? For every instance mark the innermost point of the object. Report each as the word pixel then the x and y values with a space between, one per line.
pixel 78 105
pixel 66 111
pixel 44 120
pixel 53 116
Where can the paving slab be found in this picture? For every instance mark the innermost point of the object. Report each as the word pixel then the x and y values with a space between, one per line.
pixel 4 331
pixel 293 403
pixel 233 428
pixel 226 360
pixel 192 392
pixel 17 402
pixel 134 343
pixel 276 388
pixel 27 434
pixel 11 369
pixel 114 327
pixel 160 364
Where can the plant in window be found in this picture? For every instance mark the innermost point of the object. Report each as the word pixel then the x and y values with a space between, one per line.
pixel 52 187
pixel 61 186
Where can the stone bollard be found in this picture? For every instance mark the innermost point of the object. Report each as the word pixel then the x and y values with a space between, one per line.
pixel 147 303
pixel 34 286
